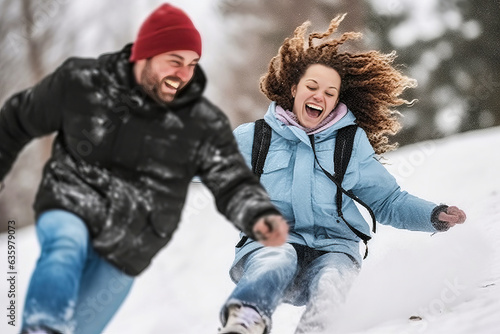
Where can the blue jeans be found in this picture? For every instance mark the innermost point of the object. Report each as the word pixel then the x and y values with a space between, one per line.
pixel 297 275
pixel 72 289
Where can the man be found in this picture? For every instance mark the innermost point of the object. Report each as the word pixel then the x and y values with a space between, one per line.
pixel 133 130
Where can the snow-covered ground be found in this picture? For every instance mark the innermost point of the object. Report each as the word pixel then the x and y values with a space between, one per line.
pixel 450 280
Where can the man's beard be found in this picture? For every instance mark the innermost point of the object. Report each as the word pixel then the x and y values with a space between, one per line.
pixel 153 87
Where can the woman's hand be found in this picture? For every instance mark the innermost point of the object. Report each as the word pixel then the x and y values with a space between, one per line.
pixel 271 230
pixel 452 216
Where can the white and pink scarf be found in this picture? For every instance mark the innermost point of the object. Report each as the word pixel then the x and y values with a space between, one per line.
pixel 289 118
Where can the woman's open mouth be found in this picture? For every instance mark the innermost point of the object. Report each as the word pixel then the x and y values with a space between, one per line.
pixel 313 111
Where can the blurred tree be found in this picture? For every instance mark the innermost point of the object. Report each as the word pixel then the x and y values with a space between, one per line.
pixel 28 28
pixel 476 66
pixel 456 65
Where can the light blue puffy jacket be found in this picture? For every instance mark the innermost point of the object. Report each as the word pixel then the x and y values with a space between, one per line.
pixel 306 197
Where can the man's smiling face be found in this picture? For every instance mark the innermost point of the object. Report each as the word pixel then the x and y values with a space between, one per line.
pixel 164 75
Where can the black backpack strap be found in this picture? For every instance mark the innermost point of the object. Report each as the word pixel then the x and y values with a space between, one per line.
pixel 260 148
pixel 261 141
pixel 342 155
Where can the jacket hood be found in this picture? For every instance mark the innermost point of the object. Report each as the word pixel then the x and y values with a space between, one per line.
pixel 118 68
pixel 293 133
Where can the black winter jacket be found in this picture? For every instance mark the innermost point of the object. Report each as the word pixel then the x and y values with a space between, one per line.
pixel 123 162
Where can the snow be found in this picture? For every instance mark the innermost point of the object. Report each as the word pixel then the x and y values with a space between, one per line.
pixel 450 280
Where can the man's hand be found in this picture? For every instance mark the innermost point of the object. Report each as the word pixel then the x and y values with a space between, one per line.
pixel 271 230
pixel 452 216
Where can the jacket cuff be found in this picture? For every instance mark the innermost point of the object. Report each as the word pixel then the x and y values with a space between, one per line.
pixel 439 225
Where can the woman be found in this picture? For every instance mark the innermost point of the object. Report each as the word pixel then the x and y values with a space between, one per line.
pixel 317 90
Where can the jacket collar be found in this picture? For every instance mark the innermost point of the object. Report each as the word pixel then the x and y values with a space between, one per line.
pixel 293 133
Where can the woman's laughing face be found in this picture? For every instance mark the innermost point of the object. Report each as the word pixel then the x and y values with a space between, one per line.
pixel 316 95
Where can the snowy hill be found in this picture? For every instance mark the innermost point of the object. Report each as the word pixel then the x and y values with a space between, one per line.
pixel 451 281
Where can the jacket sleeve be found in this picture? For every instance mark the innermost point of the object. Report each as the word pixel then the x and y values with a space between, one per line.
pixel 238 193
pixel 379 189
pixel 31 113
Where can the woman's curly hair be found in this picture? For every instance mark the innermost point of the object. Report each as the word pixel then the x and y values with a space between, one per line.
pixel 371 86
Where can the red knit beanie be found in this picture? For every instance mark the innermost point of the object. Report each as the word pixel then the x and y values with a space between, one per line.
pixel 167 29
